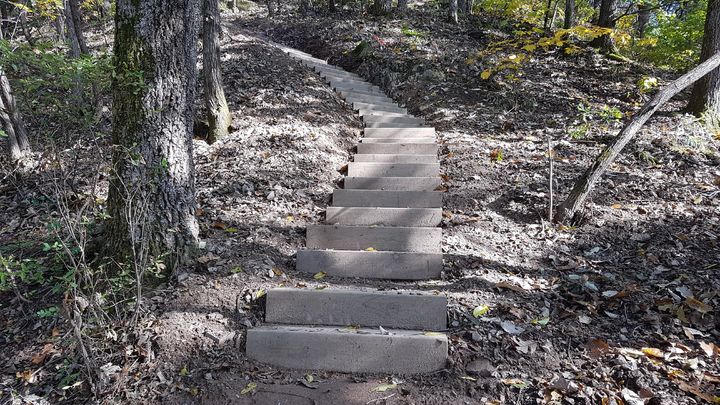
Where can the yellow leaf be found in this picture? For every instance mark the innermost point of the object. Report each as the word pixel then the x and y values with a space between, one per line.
pixel 480 311
pixel 184 372
pixel 432 334
pixel 653 352
pixel 616 206
pixel 319 275
pixel 371 249
pixel 251 387
pixel 384 387
pixel 530 48
pixel 485 74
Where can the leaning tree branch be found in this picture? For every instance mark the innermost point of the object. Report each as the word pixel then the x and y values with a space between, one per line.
pixel 584 185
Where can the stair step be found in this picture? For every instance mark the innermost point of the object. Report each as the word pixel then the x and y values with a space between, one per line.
pixel 384 107
pixel 427 140
pixel 392 125
pixel 396 158
pixel 374 119
pixel 392 183
pixel 364 112
pixel 381 216
pixel 376 265
pixel 390 199
pixel 347 350
pixel 349 81
pixel 397 239
pixel 397 148
pixel 342 307
pixel 364 86
pixel 352 97
pixel 330 74
pixel 399 132
pixel 377 169
pixel 366 92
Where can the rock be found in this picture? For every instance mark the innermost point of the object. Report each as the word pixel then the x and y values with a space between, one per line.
pixel 481 367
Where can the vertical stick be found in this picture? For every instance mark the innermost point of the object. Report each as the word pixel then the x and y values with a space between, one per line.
pixel 550 158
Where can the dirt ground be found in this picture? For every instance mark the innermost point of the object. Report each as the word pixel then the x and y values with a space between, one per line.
pixel 619 309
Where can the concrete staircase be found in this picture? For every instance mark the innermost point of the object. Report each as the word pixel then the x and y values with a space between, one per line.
pixel 383 224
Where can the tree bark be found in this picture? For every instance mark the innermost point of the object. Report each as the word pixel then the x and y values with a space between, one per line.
pixel 546 20
pixel 12 120
pixel 705 96
pixel 151 198
pixel 453 11
pixel 74 13
pixel 331 6
pixel 584 185
pixel 606 19
pixel 382 7
pixel 643 17
pixel 569 14
pixel 402 5
pixel 218 113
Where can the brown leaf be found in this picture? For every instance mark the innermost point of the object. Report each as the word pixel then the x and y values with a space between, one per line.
pixel 40 357
pixel 710 349
pixel 597 348
pixel 698 305
pixel 653 352
pixel 695 390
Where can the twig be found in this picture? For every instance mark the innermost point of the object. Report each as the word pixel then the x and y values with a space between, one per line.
pixel 380 399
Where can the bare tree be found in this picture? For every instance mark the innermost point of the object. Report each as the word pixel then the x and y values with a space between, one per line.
pixel 584 185
pixel 218 113
pixel 453 16
pixel 12 121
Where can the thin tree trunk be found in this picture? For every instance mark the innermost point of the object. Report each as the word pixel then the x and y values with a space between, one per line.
pixel 643 17
pixel 468 7
pixel 554 13
pixel 382 7
pixel 331 6
pixel 74 7
pixel 218 113
pixel 153 169
pixel 706 93
pixel 461 6
pixel 569 14
pixel 453 11
pixel 402 5
pixel 583 186
pixel 7 125
pixel 9 107
pixel 548 10
pixel 60 25
pixel 271 10
pixel 232 6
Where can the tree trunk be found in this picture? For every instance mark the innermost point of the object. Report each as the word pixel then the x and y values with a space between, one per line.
pixel 606 19
pixel 584 185
pixel 382 7
pixel 643 17
pixel 271 10
pixel 402 5
pixel 461 6
pixel 13 122
pixel 706 93
pixel 60 24
pixel 331 6
pixel 218 113
pixel 453 11
pixel 546 20
pixel 74 13
pixel 151 198
pixel 468 7
pixel 232 6
pixel 554 13
pixel 569 14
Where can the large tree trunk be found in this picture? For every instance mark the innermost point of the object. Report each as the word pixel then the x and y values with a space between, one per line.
pixel 453 17
pixel 706 93
pixel 151 199
pixel 569 14
pixel 584 185
pixel 606 19
pixel 13 122
pixel 218 113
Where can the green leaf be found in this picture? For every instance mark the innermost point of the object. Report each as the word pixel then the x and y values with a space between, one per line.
pixel 184 372
pixel 319 275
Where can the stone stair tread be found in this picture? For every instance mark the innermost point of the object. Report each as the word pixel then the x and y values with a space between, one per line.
pixel 382 238
pixel 392 169
pixel 371 148
pixel 384 216
pixel 385 119
pixel 384 265
pixel 393 125
pixel 358 307
pixel 417 132
pixel 395 158
pixel 375 106
pixel 428 140
pixel 350 350
pixel 367 92
pixel 387 198
pixel 429 183
pixel 365 112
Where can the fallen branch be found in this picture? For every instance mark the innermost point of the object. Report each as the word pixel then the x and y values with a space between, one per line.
pixel 584 185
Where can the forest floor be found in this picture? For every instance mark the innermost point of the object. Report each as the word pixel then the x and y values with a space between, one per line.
pixel 621 308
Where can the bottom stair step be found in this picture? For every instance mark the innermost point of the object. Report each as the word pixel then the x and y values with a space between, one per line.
pixel 347 349
pixel 366 264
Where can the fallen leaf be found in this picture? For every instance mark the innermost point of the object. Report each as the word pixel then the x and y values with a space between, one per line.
pixel 698 305
pixel 480 310
pixel 695 390
pixel 485 74
pixel 653 352
pixel 371 249
pixel 319 275
pixel 710 349
pixel 384 387
pixel 597 348
pixel 40 357
pixel 250 388
pixel 511 328
pixel 515 382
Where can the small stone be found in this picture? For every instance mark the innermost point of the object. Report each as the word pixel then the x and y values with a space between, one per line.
pixel 481 367
pixel 208 376
pixel 455 324
pixel 476 336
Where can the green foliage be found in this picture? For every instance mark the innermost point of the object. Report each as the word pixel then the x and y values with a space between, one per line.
pixel 46 77
pixel 49 312
pixel 647 83
pixel 409 32
pixel 362 50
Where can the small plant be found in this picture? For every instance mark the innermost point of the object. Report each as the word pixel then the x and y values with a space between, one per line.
pixel 580 131
pixel 49 312
pixel 496 155
pixel 610 114
pixel 647 83
pixel 409 32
